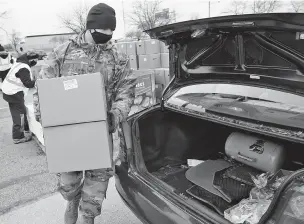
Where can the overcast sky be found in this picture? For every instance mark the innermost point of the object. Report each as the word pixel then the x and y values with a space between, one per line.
pixel 35 17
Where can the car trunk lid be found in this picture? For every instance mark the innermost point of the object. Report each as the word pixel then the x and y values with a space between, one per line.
pixel 262 49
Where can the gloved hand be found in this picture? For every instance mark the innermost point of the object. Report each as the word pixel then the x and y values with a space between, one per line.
pixel 112 122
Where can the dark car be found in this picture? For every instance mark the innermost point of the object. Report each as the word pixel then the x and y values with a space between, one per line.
pixel 226 142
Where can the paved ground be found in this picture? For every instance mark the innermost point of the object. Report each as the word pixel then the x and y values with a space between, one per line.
pixel 50 211
pixel 24 181
pixel 3 104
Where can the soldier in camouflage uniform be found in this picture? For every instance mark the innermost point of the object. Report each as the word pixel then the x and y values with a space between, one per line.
pixel 90 52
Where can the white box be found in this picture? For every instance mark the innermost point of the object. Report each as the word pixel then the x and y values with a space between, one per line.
pixel 163 48
pixel 164 57
pixel 140 48
pixel 160 76
pixel 152 46
pixel 131 48
pixel 122 47
pixel 77 147
pixel 74 120
pixel 151 61
pixel 167 76
pixel 133 61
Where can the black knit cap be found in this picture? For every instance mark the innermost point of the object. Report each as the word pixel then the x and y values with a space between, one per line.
pixel 101 16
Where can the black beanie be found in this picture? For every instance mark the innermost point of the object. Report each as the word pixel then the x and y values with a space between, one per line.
pixel 101 16
pixel 1 48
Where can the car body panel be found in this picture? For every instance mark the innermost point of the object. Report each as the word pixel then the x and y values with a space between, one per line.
pixel 147 204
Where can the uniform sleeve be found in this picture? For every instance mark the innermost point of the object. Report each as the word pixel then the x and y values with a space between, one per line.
pixel 125 91
pixel 50 69
pixel 25 77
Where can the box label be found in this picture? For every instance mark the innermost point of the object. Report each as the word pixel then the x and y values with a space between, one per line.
pixel 70 84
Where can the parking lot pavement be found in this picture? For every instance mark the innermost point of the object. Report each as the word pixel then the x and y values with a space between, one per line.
pixel 50 211
pixel 3 104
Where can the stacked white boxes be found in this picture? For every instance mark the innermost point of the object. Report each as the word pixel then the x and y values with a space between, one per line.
pixel 70 124
pixel 148 58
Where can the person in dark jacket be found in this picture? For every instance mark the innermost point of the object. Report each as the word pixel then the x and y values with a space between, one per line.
pixel 15 87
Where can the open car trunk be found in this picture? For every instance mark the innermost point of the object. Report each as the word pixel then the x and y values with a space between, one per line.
pixel 169 140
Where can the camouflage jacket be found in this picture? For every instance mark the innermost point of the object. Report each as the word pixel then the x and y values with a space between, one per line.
pixel 77 57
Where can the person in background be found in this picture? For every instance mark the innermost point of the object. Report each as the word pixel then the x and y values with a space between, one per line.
pixel 6 62
pixel 92 51
pixel 15 86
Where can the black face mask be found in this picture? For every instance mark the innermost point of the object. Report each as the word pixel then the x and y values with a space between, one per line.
pixel 100 38
pixel 3 55
pixel 33 63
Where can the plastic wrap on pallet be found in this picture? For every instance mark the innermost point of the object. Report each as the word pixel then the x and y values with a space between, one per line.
pixel 251 210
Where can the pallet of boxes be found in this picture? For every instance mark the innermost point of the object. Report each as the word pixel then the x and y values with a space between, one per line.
pixel 150 61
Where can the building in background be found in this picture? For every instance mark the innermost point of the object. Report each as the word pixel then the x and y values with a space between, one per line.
pixel 44 42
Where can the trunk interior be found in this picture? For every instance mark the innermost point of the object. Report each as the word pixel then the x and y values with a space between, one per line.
pixel 170 139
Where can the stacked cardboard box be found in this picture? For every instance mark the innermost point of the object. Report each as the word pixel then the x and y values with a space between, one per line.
pixel 150 61
pixel 70 125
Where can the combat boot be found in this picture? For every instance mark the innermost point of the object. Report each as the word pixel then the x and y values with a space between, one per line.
pixel 71 212
pixel 86 220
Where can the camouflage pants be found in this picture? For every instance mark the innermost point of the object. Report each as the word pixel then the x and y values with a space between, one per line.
pixel 91 184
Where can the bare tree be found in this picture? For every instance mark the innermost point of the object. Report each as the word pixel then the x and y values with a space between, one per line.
pixel 237 7
pixel 264 6
pixel 297 6
pixel 3 16
pixel 15 39
pixel 147 14
pixel 76 21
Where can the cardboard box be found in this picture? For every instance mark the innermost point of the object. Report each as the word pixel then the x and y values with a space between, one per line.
pixel 163 48
pixel 133 62
pixel 140 48
pixel 151 61
pixel 74 121
pixel 167 76
pixel 71 99
pixel 75 147
pixel 122 47
pixel 144 91
pixel 160 76
pixel 164 57
pixel 131 48
pixel 152 46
